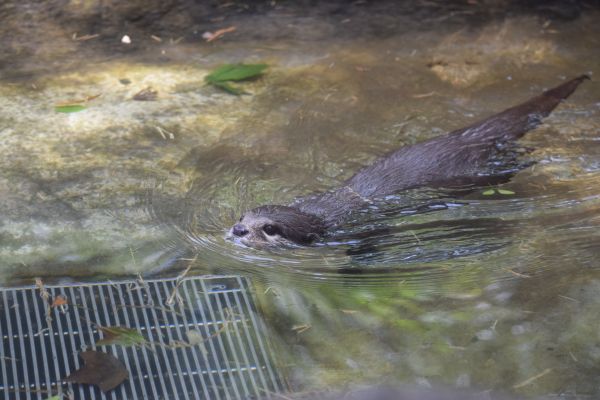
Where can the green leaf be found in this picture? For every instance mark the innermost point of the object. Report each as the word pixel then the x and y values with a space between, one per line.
pixel 235 72
pixel 505 191
pixel 57 397
pixel 69 108
pixel 488 192
pixel 120 335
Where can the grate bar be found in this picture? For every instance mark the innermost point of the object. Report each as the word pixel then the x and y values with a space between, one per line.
pixel 194 357
pixel 262 346
pixel 12 352
pixel 58 335
pixel 77 340
pixel 165 355
pixel 136 355
pixel 27 322
pixel 254 355
pixel 184 355
pixel 234 348
pixel 242 345
pixel 111 318
pixel 231 354
pixel 44 334
pixel 221 385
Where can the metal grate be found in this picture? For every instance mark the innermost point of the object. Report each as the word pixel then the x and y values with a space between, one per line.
pixel 40 342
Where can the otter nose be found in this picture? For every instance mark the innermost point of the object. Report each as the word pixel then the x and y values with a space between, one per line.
pixel 239 230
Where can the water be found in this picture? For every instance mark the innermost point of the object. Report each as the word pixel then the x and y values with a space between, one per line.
pixel 489 292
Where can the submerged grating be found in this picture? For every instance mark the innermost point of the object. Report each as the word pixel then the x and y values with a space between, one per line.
pixel 41 340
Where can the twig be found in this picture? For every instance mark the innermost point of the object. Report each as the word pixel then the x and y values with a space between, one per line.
pixel 175 296
pixel 517 273
pixel 210 36
pixel 532 379
pixel 84 37
pixel 568 298
pixel 45 295
pixel 422 95
pixel 415 236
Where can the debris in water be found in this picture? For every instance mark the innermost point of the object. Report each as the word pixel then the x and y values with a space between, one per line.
pixel 147 94
pixel 221 76
pixel 505 191
pixel 210 36
pixel 532 379
pixel 70 108
pixel 101 369
pixel 60 300
pixel 165 133
pixel 120 335
pixel 74 105
pixel 301 328
pixel 84 37
pixel 490 192
pixel 423 95
pixel 126 39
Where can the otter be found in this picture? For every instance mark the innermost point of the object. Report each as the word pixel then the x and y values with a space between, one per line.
pixel 455 159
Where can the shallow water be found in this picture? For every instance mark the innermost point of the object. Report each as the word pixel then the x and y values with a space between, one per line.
pixel 460 289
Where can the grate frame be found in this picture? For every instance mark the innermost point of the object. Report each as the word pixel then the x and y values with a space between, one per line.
pixel 39 343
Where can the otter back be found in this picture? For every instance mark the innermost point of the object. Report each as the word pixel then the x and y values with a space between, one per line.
pixel 459 157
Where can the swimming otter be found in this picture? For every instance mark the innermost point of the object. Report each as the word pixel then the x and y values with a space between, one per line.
pixel 454 159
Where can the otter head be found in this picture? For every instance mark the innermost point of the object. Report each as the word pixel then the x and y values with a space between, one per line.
pixel 276 226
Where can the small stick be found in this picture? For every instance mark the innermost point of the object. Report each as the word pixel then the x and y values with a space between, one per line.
pixel 533 378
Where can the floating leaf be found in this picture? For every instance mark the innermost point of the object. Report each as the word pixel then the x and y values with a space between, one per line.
pixel 101 369
pixel 488 192
pixel 72 106
pixel 120 335
pixel 69 108
pixel 235 72
pixel 505 191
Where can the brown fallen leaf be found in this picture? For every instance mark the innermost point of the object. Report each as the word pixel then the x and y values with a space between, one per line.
pixel 101 369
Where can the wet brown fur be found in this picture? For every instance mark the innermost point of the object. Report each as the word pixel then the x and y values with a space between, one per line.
pixel 456 158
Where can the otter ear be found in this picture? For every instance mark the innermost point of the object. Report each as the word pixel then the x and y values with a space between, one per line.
pixel 312 237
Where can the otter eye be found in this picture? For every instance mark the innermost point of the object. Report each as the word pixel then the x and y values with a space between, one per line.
pixel 270 230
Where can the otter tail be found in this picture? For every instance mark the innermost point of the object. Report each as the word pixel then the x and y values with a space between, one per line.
pixel 458 157
pixel 514 122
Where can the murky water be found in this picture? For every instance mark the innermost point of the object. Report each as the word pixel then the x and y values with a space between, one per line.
pixel 491 292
